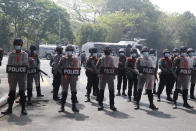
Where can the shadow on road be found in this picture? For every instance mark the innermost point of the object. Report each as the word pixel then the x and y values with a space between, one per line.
pixel 191 111
pixel 76 116
pixel 19 120
pixel 158 113
pixel 80 106
pixel 94 104
pixel 117 114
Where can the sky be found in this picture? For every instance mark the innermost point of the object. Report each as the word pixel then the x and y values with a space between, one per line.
pixel 178 6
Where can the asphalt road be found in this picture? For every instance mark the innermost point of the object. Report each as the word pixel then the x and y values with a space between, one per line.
pixel 44 115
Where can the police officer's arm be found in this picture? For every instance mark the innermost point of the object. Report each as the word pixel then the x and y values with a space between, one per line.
pixel 38 62
pixel 162 65
pixel 176 64
pixel 99 63
pixel 51 62
pixel 60 66
pixel 26 60
pixel 157 66
pixel 88 63
pixel 127 64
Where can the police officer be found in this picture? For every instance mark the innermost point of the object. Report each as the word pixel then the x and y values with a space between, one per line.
pixel 1 55
pixel 190 52
pixel 122 73
pixel 33 74
pixel 146 68
pixel 131 74
pixel 69 61
pixel 106 67
pixel 175 54
pixel 92 73
pixel 165 64
pixel 56 74
pixel 17 59
pixel 183 67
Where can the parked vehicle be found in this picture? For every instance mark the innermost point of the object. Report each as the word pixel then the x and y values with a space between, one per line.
pixel 115 46
pixel 48 51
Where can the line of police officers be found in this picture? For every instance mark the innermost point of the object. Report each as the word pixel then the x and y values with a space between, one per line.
pixel 178 69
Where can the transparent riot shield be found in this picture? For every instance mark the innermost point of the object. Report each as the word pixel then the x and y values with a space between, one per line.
pixel 186 66
pixel 154 58
pixel 115 61
pixel 148 65
pixel 74 69
pixel 111 67
pixel 190 61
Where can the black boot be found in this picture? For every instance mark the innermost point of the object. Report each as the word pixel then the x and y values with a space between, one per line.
pixel 138 97
pixel 55 93
pixel 175 98
pixel 101 97
pixel 88 94
pixel 129 99
pixel 88 98
pixel 158 97
pixel 111 95
pixel 124 94
pixel 150 98
pixel 74 99
pixel 97 98
pixel 118 94
pixel 169 97
pixel 29 95
pixel 10 103
pixel 154 89
pixel 145 93
pixel 39 94
pixel 23 101
pixel 168 92
pixel 192 91
pixel 185 97
pixel 63 101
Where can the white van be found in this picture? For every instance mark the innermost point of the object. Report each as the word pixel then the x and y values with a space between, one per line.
pixel 115 46
pixel 48 51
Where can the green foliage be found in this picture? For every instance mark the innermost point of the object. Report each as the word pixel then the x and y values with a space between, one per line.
pixel 117 23
pixel 36 21
pixel 4 32
pixel 128 19
pixel 89 32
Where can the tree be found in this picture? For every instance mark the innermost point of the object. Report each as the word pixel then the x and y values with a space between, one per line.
pixel 36 21
pixel 4 32
pixel 89 32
